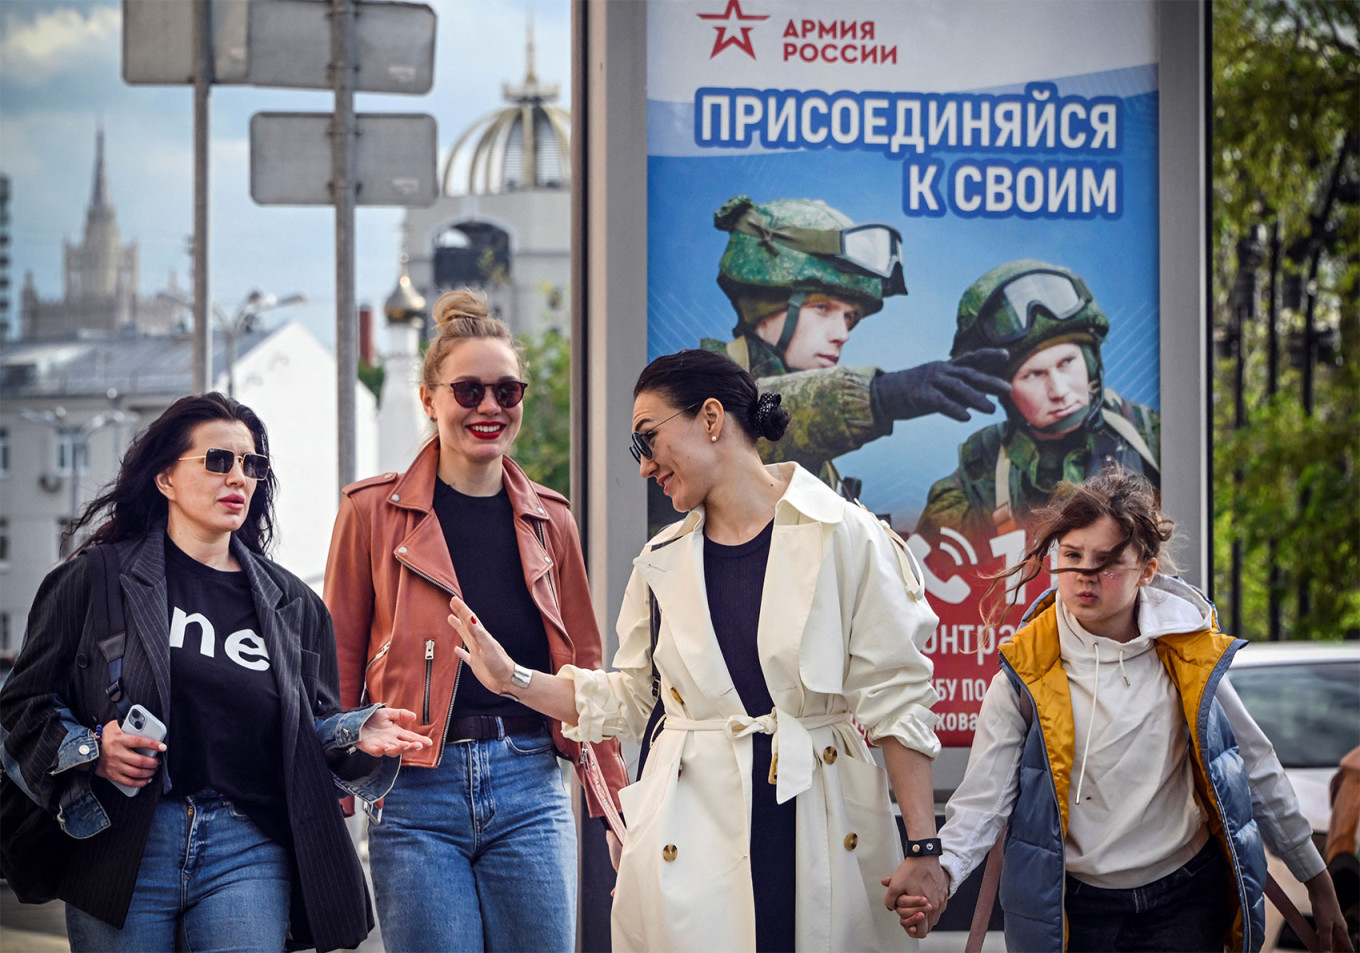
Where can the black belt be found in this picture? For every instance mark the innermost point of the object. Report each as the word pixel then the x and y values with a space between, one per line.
pixel 483 727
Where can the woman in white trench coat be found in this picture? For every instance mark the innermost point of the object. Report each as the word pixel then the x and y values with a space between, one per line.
pixel 832 624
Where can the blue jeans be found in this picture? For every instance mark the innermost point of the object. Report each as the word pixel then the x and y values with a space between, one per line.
pixel 209 880
pixel 1188 910
pixel 478 853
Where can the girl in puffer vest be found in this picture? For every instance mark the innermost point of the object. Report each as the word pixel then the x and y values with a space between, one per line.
pixel 1137 788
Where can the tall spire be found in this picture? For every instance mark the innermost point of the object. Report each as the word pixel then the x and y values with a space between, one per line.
pixel 99 194
pixel 530 78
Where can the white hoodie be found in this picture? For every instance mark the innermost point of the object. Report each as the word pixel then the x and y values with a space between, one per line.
pixel 1132 813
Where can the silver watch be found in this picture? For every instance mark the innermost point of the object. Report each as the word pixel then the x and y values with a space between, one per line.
pixel 521 677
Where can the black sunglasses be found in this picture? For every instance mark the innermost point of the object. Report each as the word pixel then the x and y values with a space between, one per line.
pixel 217 460
pixel 505 393
pixel 642 442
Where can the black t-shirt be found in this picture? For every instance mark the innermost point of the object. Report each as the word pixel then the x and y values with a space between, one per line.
pixel 734 577
pixel 226 729
pixel 480 533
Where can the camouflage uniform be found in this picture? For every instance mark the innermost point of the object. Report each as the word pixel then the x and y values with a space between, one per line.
pixel 1005 473
pixel 829 407
pixel 770 257
pixel 966 500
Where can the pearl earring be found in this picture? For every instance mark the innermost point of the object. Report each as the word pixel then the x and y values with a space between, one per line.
pixel 714 438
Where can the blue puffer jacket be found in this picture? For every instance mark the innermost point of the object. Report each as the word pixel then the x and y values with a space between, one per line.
pixel 1032 878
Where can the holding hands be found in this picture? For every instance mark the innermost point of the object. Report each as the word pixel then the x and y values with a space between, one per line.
pixel 918 892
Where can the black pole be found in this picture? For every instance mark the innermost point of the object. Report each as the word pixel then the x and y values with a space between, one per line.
pixel 1275 582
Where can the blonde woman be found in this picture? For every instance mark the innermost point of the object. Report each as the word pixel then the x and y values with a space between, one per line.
pixel 476 846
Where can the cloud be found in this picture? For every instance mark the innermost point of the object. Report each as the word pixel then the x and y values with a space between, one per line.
pixel 58 41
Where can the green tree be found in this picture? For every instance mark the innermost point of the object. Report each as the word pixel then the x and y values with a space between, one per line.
pixel 543 447
pixel 1286 178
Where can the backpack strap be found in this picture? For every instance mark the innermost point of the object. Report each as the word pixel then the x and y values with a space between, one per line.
pixel 113 645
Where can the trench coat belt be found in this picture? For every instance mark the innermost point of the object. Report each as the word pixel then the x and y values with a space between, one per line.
pixel 791 747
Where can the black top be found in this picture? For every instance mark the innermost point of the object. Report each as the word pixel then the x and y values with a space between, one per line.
pixel 734 577
pixel 225 727
pixel 480 533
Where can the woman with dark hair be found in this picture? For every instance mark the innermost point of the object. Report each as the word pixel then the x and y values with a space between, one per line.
pixel 475 848
pixel 226 835
pixel 768 621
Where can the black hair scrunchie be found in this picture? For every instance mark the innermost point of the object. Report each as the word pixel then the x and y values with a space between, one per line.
pixel 760 416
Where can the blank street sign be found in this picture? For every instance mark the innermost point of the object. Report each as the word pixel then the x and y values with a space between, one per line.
pixel 290 45
pixel 158 42
pixel 394 162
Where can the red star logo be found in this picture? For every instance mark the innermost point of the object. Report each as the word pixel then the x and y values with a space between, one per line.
pixel 723 41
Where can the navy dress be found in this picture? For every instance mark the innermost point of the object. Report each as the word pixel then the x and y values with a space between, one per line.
pixel 734 577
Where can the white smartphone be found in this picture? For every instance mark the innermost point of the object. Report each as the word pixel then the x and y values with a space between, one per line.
pixel 139 721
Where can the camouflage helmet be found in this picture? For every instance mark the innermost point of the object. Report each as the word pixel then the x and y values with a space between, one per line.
pixel 1025 305
pixel 770 255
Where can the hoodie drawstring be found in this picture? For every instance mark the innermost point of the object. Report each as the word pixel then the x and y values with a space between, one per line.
pixel 1095 694
pixel 1121 670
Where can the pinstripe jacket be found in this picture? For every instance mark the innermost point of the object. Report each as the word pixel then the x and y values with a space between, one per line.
pixel 56 693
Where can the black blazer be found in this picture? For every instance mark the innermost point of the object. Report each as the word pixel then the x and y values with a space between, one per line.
pixel 330 906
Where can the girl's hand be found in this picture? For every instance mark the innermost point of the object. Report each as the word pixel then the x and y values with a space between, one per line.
pixel 615 850
pixel 489 661
pixel 383 735
pixel 120 762
pixel 913 912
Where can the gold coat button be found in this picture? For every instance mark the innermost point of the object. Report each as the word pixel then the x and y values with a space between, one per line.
pixel 676 696
pixel 668 852
pixel 851 841
pixel 829 755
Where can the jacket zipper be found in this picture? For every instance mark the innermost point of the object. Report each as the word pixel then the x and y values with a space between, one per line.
pixel 429 668
pixel 457 671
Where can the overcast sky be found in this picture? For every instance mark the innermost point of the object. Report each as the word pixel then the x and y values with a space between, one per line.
pixel 60 76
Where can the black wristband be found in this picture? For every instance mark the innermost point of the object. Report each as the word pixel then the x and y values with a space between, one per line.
pixel 930 847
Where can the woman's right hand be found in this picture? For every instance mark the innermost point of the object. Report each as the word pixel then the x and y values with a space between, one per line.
pixel 490 662
pixel 120 762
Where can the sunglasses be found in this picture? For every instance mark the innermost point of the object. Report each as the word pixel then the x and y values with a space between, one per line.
pixel 642 442
pixel 470 393
pixel 217 460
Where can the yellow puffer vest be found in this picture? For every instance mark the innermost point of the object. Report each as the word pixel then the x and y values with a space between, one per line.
pixel 1032 890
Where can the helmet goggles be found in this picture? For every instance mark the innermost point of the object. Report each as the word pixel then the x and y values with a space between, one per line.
pixel 1008 313
pixel 871 248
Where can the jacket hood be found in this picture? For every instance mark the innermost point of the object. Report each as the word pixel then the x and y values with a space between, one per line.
pixel 1171 606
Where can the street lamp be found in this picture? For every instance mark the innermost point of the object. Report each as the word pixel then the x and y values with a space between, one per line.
pixel 76 436
pixel 244 320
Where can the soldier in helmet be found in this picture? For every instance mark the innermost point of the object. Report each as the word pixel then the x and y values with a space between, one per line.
pixel 1062 422
pixel 800 276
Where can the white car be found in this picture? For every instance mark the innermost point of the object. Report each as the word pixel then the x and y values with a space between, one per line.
pixel 1306 698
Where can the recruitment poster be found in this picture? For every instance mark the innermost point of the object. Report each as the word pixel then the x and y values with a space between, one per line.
pixel 885 208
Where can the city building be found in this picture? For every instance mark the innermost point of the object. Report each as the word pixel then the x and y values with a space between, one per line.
pixel 101 286
pixel 503 220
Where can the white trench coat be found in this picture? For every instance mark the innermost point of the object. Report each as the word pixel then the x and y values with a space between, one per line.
pixel 842 617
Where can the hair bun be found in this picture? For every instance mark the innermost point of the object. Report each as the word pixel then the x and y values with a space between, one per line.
pixel 460 304
pixel 769 419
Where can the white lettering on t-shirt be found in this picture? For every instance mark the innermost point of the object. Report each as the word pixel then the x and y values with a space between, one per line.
pixel 244 647
pixel 246 641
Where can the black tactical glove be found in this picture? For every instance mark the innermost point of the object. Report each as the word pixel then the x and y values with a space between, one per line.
pixel 951 387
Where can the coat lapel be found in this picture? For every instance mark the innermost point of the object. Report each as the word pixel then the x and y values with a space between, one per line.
pixel 785 602
pixel 146 606
pixel 675 573
pixel 280 623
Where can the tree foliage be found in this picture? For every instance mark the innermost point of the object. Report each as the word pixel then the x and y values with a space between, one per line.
pixel 543 447
pixel 1286 169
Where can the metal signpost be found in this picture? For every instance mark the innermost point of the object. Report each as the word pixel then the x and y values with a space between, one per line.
pixel 337 158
